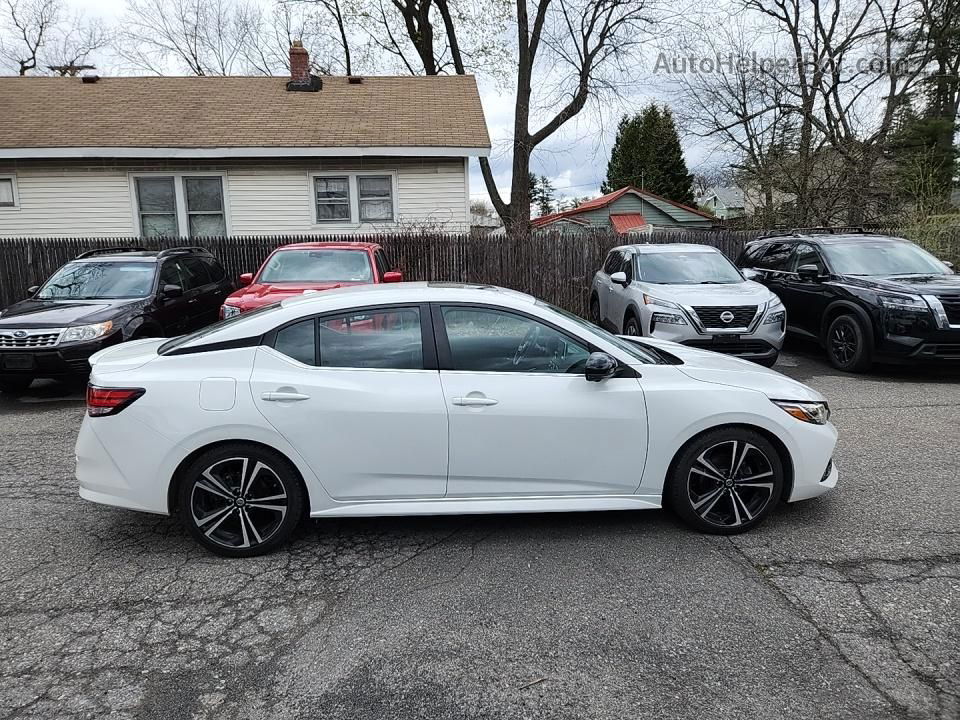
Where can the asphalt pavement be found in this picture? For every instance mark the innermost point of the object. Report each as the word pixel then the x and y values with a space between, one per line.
pixel 847 606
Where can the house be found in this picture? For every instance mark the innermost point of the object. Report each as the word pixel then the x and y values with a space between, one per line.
pixel 626 211
pixel 196 156
pixel 726 203
pixel 483 224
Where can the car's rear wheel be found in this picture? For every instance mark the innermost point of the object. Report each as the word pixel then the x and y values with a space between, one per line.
pixel 240 500
pixel 848 344
pixel 15 385
pixel 595 311
pixel 631 326
pixel 726 481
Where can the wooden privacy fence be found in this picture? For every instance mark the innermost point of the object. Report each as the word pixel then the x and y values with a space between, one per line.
pixel 555 267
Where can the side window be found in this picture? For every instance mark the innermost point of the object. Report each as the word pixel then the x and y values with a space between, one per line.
pixel 627 266
pixel 807 255
pixel 217 273
pixel 195 271
pixel 384 339
pixel 380 258
pixel 170 274
pixel 751 254
pixel 488 340
pixel 299 341
pixel 613 261
pixel 777 257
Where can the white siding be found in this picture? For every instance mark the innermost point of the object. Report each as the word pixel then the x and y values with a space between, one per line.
pixel 261 199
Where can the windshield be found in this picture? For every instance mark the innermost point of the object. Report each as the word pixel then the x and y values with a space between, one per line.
pixel 636 351
pixel 210 329
pixel 882 257
pixel 100 280
pixel 317 266
pixel 695 267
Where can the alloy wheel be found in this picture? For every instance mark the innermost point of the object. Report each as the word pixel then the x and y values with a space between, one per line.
pixel 238 502
pixel 843 343
pixel 730 483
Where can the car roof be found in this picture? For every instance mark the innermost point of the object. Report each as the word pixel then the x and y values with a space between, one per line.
pixel 655 248
pixel 408 292
pixel 142 255
pixel 333 245
pixel 831 239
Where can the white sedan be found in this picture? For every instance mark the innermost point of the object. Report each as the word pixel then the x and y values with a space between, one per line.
pixel 421 399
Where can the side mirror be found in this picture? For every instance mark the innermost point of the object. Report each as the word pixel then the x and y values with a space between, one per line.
pixel 172 291
pixel 392 276
pixel 600 366
pixel 246 279
pixel 947 263
pixel 33 290
pixel 620 278
pixel 751 274
pixel 809 273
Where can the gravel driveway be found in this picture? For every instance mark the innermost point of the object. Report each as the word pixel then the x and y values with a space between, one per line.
pixel 847 606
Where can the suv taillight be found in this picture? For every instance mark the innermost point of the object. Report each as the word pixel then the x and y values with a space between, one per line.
pixel 109 401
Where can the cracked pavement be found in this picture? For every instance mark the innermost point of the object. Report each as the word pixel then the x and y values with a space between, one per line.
pixel 847 606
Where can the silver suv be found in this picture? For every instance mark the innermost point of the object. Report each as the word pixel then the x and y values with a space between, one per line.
pixel 690 294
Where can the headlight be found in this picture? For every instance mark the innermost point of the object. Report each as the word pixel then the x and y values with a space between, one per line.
pixel 775 312
pixel 817 413
pixel 669 319
pixel 651 300
pixel 86 332
pixel 911 303
pixel 229 311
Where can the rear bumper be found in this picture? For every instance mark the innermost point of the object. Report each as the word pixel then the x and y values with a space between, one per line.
pixel 71 360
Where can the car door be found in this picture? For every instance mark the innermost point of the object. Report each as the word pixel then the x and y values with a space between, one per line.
pixel 173 313
pixel 352 392
pixel 605 285
pixel 205 300
pixel 618 296
pixel 524 421
pixel 805 300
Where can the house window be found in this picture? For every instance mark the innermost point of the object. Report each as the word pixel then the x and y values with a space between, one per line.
pixel 8 191
pixel 204 197
pixel 174 205
pixel 375 193
pixel 332 198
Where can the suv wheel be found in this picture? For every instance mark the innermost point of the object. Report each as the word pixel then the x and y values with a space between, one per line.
pixel 848 344
pixel 726 481
pixel 632 326
pixel 595 311
pixel 240 500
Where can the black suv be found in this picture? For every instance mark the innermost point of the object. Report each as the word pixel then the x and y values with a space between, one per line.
pixel 864 297
pixel 106 297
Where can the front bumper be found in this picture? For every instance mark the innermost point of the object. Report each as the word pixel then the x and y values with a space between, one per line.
pixel 760 343
pixel 65 360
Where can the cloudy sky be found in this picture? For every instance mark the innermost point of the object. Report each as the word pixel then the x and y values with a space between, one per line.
pixel 575 158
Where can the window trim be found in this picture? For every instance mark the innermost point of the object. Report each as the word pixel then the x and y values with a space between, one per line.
pixel 427 340
pixel 445 356
pixel 353 222
pixel 12 177
pixel 360 199
pixel 180 198
pixel 317 220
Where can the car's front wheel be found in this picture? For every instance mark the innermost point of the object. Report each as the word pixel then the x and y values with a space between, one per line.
pixel 595 311
pixel 726 481
pixel 240 500
pixel 849 344
pixel 632 326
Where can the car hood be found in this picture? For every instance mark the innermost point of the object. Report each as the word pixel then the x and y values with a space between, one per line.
pixel 34 313
pixel 712 367
pixel 747 292
pixel 915 284
pixel 260 294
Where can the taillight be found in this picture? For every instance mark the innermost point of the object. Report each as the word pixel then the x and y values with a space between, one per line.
pixel 109 401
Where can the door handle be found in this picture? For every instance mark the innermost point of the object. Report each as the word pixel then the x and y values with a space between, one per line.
pixel 474 401
pixel 193 300
pixel 283 396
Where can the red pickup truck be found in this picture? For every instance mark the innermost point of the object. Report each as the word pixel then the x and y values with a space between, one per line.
pixel 294 269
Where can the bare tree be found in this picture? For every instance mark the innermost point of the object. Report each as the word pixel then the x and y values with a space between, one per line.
pixel 74 42
pixel 25 29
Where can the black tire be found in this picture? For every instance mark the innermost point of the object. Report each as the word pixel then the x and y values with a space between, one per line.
pixel 768 362
pixel 595 311
pixel 849 344
pixel 219 512
pixel 725 481
pixel 15 385
pixel 631 326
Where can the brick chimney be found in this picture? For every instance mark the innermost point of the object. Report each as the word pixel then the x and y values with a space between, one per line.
pixel 299 66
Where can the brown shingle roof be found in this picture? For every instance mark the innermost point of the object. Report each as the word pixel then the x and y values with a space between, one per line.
pixel 205 112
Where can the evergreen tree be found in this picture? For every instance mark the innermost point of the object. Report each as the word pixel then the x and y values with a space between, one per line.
pixel 541 194
pixel 647 154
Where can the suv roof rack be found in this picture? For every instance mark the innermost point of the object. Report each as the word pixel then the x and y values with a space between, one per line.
pixel 820 230
pixel 110 251
pixel 183 250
